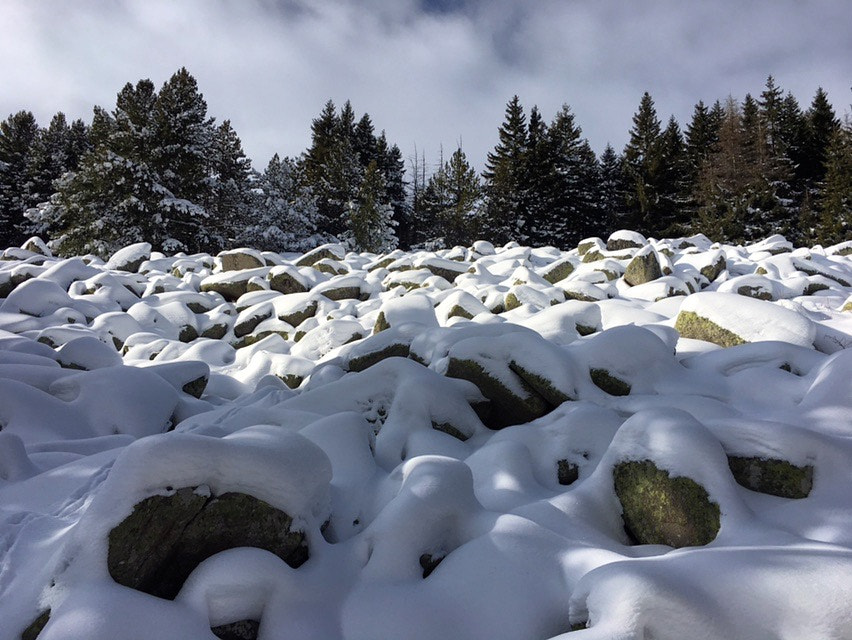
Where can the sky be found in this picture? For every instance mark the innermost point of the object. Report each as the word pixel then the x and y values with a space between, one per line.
pixel 432 73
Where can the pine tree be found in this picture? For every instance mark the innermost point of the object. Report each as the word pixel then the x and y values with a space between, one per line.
pixel 536 182
pixel 452 199
pixel 392 168
pixel 672 214
pixel 48 160
pixel 572 197
pixel 17 136
pixel 231 176
pixel 642 164
pixel 503 179
pixel 613 188
pixel 835 201
pixel 284 212
pixel 184 143
pixel 370 221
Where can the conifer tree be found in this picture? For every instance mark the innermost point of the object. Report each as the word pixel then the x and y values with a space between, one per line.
pixel 536 181
pixel 503 179
pixel 230 180
pixel 453 198
pixel 835 202
pixel 48 160
pixel 672 214
pixel 370 222
pixel 17 136
pixel 642 164
pixel 613 188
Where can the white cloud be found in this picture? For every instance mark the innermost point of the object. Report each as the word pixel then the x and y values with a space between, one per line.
pixel 428 78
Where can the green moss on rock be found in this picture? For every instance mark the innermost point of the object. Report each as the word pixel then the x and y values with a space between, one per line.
pixel 459 311
pixel 712 271
pixel 541 385
pixel 506 406
pixel 604 380
pixel 36 626
pixel 342 293
pixel 659 509
pixel 773 476
pixel 381 323
pixel 558 271
pixel 295 318
pixel 397 350
pixel 758 293
pixel 643 268
pixel 215 331
pixel 156 548
pixel 285 283
pixel 511 302
pixel 690 325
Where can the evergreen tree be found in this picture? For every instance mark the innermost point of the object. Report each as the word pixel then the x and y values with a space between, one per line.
pixel 48 160
pixel 452 198
pixel 392 168
pixel 17 136
pixel 672 213
pixel 284 214
pixel 503 220
pixel 642 164
pixel 184 144
pixel 231 177
pixel 835 202
pixel 370 221
pixel 536 182
pixel 613 189
pixel 572 197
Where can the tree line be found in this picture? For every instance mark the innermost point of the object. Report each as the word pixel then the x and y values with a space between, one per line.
pixel 157 168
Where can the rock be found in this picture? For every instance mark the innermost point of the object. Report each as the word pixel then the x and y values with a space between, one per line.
pixel 283 280
pixel 712 271
pixel 428 563
pixel 508 407
pixel 37 245
pixel 36 626
pixel 130 258
pixel 659 509
pixel 604 380
pixel 240 259
pixel 156 548
pixel 361 362
pixel 567 472
pixel 773 476
pixel 325 252
pixel 557 271
pixel 644 267
pixel 690 325
pixel 239 630
pixel 624 239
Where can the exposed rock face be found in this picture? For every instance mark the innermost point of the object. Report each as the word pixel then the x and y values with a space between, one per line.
pixel 238 260
pixel 284 282
pixel 605 381
pixel 772 476
pixel 567 472
pixel 659 509
pixel 240 630
pixel 643 268
pixel 156 548
pixel 397 349
pixel 690 325
pixel 560 270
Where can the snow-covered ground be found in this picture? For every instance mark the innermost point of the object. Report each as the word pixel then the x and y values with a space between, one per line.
pixel 446 437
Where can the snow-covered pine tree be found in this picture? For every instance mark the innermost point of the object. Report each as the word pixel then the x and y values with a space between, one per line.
pixel 392 168
pixel 184 145
pixel 370 217
pixel 230 182
pixel 537 181
pixel 460 220
pixel 672 214
pixel 284 213
pixel 642 164
pixel 835 201
pixel 503 220
pixel 18 133
pixel 612 192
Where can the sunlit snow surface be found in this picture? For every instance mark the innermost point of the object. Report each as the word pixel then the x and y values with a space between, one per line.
pixel 94 416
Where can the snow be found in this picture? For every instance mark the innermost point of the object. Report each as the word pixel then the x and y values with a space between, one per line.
pixel 421 522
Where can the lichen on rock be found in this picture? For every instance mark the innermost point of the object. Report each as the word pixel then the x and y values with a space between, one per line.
pixel 772 476
pixel 660 509
pixel 690 325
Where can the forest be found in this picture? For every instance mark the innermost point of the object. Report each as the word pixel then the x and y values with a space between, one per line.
pixel 158 168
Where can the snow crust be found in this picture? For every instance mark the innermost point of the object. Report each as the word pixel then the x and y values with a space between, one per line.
pixel 135 377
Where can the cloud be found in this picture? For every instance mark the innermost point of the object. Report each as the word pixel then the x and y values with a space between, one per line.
pixel 430 72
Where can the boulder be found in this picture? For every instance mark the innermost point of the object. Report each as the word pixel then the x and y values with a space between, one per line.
pixel 240 259
pixel 644 267
pixel 772 476
pixel 659 509
pixel 158 545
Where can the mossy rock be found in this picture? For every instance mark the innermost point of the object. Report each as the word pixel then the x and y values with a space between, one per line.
pixel 397 350
pixel 813 287
pixel 576 295
pixel 285 283
pixel 188 333
pixel 449 429
pixel 330 267
pixel 592 255
pixel 824 274
pixel 157 546
pixel 712 271
pixel 773 476
pixel 231 290
pixel 567 472
pixel 619 244
pixel 247 341
pixel 754 292
pixel 605 381
pixel 381 264
pixel 196 387
pixel 248 325
pixel 846 307
pixel 507 407
pixel 36 626
pixel 239 630
pixel 291 380
pixel 298 317
pixel 643 268
pixel 690 325
pixel 511 302
pixel 541 385
pixel 342 293
pixel 608 274
pixel 449 275
pixel 761 271
pixel 239 261
pixel 659 509
pixel 459 311
pixel 381 323
pixel 215 331
pixel 558 271
pixel 584 247
pixel 312 257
